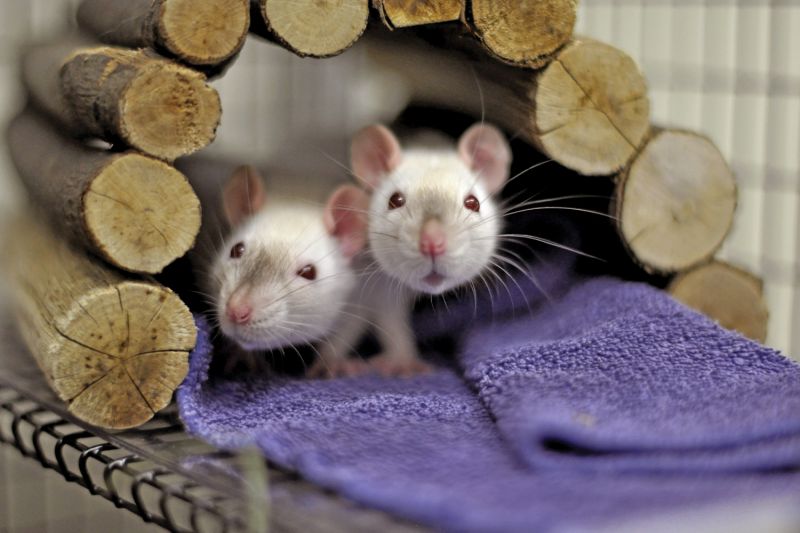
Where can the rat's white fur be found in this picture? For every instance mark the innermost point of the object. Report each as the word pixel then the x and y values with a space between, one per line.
pixel 435 181
pixel 435 184
pixel 435 178
pixel 287 309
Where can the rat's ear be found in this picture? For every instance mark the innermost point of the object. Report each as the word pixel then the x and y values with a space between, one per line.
pixel 346 218
pixel 374 152
pixel 243 194
pixel 486 152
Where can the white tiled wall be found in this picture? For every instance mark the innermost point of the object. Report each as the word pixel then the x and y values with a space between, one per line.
pixel 273 101
pixel 730 68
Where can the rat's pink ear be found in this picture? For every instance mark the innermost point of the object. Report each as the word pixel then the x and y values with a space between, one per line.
pixel 346 218
pixel 243 194
pixel 374 152
pixel 486 152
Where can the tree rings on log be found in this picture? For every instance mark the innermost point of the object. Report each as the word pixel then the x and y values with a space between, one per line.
pixel 198 32
pixel 115 350
pixel 151 104
pixel 591 109
pixel 131 97
pixel 136 212
pixel 141 212
pixel 525 34
pixel 317 28
pixel 203 32
pixel 587 110
pixel 675 203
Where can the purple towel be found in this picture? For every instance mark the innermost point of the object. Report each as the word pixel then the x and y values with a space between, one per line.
pixel 618 376
pixel 612 402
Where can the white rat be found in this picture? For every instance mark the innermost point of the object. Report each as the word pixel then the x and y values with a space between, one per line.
pixel 283 275
pixel 432 226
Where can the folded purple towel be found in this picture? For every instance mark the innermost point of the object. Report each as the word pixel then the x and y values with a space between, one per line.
pixel 606 386
pixel 617 376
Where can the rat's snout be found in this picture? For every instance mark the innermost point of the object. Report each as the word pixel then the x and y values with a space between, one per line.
pixel 432 239
pixel 239 310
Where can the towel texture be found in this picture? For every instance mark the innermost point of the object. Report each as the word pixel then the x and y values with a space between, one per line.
pixel 618 376
pixel 608 403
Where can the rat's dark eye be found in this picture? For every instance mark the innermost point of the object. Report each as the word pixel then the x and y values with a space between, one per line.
pixel 237 251
pixel 308 272
pixel 397 200
pixel 472 203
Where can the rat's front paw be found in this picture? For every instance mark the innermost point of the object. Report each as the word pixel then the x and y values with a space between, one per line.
pixel 393 365
pixel 337 368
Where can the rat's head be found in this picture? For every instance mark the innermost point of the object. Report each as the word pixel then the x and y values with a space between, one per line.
pixel 283 275
pixel 433 223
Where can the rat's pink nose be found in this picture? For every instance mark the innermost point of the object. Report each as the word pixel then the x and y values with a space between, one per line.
pixel 432 239
pixel 239 313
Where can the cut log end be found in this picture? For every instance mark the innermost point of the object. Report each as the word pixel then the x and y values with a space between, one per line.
pixel 114 349
pixel 204 33
pixel 136 212
pixel 316 28
pixel 136 98
pixel 169 111
pixel 523 33
pixel 675 204
pixel 592 109
pixel 405 13
pixel 141 213
pixel 730 296
pixel 123 351
pixel 587 110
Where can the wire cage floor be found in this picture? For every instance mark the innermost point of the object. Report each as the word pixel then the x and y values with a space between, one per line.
pixel 160 473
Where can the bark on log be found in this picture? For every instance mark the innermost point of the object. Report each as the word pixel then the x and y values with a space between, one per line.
pixel 675 203
pixel 114 349
pixel 729 295
pixel 525 34
pixel 198 32
pixel 588 109
pixel 311 28
pixel 124 96
pixel 404 13
pixel 136 212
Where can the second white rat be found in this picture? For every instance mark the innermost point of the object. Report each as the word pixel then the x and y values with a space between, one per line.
pixel 283 275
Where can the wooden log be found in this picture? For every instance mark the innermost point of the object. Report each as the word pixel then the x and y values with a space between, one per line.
pixel 525 34
pixel 675 203
pixel 587 110
pixel 404 13
pixel 311 28
pixel 114 349
pixel 136 212
pixel 729 295
pixel 197 32
pixel 123 96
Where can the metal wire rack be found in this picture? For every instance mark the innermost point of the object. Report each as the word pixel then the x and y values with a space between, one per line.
pixel 160 473
pixel 108 470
